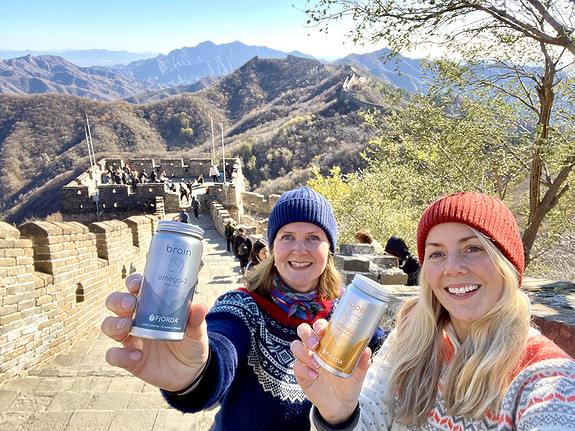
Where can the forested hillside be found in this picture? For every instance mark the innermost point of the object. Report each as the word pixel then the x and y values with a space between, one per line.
pixel 280 115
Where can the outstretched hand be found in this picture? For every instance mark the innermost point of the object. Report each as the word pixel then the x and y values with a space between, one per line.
pixel 169 365
pixel 335 397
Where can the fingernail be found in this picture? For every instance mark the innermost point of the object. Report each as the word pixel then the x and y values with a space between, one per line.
pixel 312 374
pixel 133 283
pixel 314 363
pixel 313 342
pixel 122 323
pixel 136 355
pixel 128 302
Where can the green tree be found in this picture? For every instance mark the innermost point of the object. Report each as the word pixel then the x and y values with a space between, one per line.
pixel 367 200
pixel 513 51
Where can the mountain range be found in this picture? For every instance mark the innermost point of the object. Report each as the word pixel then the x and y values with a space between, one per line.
pixel 197 67
pixel 84 57
pixel 279 115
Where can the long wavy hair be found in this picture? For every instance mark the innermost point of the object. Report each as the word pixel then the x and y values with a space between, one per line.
pixel 262 278
pixel 479 373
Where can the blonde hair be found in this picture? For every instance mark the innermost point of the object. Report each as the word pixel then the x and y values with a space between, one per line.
pixel 481 370
pixel 262 278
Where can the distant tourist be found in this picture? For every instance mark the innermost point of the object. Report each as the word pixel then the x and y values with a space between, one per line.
pixel 184 218
pixel 229 171
pixel 117 176
pixel 242 247
pixel 409 264
pixel 135 182
pixel 259 253
pixel 200 179
pixel 184 193
pixel 196 206
pixel 153 176
pixel 214 173
pixel 364 236
pixel 230 233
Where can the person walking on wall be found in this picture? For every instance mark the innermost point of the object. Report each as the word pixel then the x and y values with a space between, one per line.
pixel 242 247
pixel 238 355
pixel 196 206
pixel 230 233
pixel 184 193
pixel 463 354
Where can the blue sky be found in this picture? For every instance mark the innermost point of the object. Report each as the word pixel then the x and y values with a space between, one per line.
pixel 164 25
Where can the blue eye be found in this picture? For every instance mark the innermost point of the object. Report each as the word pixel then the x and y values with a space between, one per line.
pixel 435 255
pixel 474 249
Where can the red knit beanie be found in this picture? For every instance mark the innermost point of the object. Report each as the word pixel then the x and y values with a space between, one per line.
pixel 487 214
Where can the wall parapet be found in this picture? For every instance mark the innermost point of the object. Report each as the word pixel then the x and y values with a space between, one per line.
pixel 88 198
pixel 54 279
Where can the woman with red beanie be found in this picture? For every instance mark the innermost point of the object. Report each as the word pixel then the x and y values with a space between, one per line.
pixel 463 355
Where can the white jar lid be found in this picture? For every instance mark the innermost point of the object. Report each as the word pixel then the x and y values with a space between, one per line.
pixel 185 228
pixel 371 287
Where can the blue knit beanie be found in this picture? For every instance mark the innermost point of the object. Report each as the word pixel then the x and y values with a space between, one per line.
pixel 303 205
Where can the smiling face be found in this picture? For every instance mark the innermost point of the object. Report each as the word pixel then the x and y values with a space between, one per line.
pixel 461 273
pixel 300 252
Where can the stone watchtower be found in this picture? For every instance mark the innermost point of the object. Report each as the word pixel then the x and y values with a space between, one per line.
pixel 96 196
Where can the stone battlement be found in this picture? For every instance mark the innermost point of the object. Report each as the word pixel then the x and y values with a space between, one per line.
pixel 88 198
pixel 54 278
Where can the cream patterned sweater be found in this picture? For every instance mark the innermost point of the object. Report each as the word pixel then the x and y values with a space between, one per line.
pixel 540 398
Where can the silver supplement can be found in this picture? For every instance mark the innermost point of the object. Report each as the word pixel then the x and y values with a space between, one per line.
pixel 351 326
pixel 168 283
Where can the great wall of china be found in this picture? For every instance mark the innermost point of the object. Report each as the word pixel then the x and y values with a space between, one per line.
pixel 55 276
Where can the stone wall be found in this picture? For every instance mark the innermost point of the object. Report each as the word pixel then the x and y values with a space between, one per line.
pixel 256 203
pixel 54 278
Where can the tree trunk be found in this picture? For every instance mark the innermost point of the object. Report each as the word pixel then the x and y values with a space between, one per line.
pixel 536 213
pixel 551 198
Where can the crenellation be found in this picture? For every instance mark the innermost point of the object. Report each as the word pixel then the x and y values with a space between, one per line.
pixel 54 283
pixel 141 231
pixel 8 232
pixel 118 201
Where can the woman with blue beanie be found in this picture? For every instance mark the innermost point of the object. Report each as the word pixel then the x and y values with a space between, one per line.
pixel 238 355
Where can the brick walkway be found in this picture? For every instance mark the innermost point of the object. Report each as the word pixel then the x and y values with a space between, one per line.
pixel 78 390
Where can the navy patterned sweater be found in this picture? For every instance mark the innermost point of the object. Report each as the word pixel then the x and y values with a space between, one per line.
pixel 250 374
